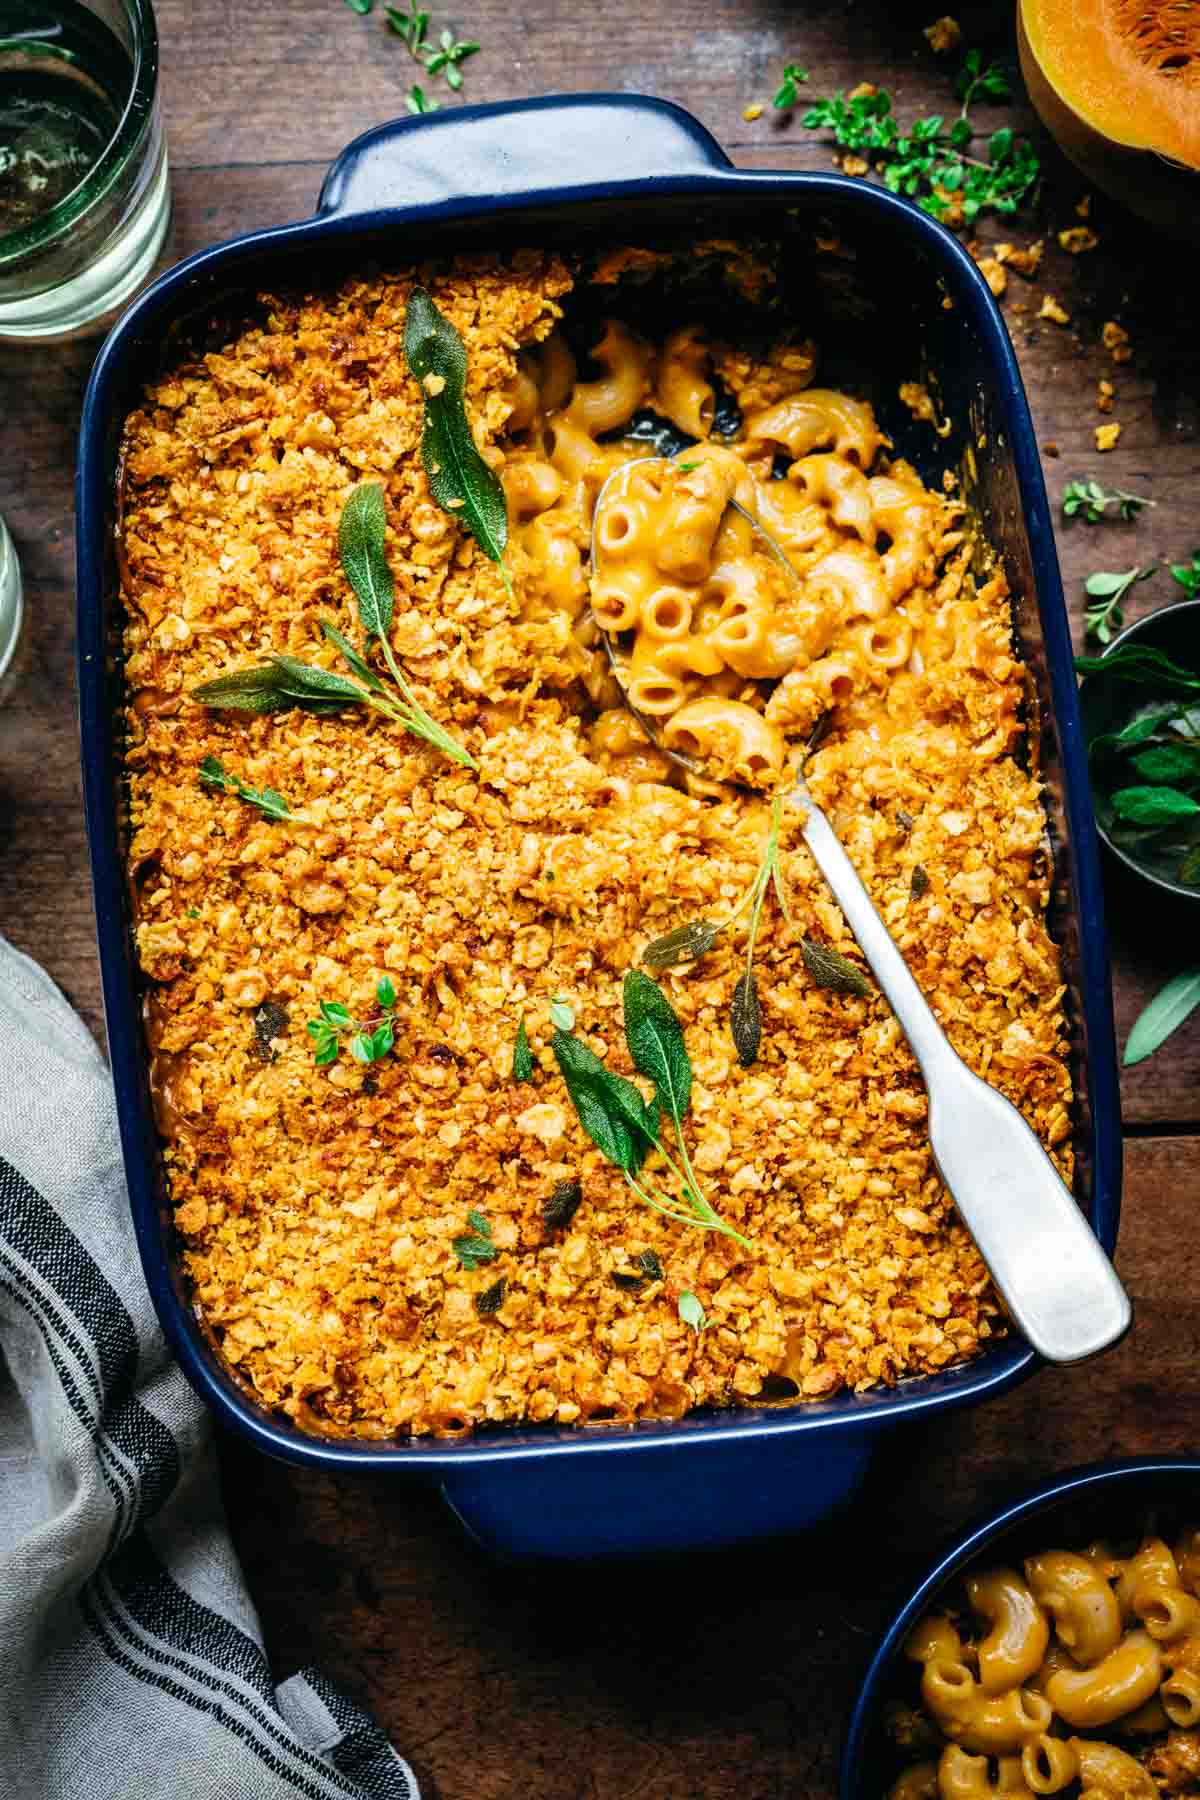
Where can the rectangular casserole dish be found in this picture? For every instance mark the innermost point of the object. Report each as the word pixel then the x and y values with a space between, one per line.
pixel 902 296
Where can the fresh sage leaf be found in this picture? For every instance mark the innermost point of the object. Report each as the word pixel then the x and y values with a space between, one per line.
pixel 918 881
pixel 562 1205
pixel 491 1299
pixel 610 1109
pixel 472 1248
pixel 829 969
pixel 460 481
pixel 255 690
pixel 1168 1010
pixel 352 659
pixel 522 1062
pixel 1169 762
pixel 1154 805
pixel 655 1039
pixel 362 533
pixel 307 681
pixel 1140 663
pixel 686 943
pixel 745 1019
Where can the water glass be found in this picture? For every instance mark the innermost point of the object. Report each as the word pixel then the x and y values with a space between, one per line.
pixel 10 600
pixel 84 199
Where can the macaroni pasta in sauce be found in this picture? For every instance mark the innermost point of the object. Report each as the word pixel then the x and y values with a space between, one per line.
pixel 318 1207
pixel 1078 1673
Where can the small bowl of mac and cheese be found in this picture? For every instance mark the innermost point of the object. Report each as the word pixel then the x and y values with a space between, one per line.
pixel 1054 1649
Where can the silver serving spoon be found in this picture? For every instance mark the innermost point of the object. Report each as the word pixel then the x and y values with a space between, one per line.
pixel 1060 1288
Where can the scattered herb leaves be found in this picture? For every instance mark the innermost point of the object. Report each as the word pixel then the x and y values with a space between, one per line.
pixel 418 101
pixel 368 1040
pixel 460 481
pixel 1156 818
pixel 1141 663
pixel 686 943
pixel 522 1062
pixel 563 1204
pixel 1090 501
pixel 491 1299
pixel 647 1261
pixel 474 1247
pixel 830 969
pixel 562 1014
pixel 1168 1010
pixel 1108 591
pixel 787 94
pixel 692 1313
pixel 930 164
pixel 919 881
pixel 268 800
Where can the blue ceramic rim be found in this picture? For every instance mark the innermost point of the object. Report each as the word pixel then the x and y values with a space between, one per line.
pixel 715 177
pixel 1145 627
pixel 1055 1491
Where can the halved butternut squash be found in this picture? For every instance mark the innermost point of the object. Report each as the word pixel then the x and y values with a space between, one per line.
pixel 1117 82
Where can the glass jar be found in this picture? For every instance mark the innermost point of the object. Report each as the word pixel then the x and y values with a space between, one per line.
pixel 10 600
pixel 93 65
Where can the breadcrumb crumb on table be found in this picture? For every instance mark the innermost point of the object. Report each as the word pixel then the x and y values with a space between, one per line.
pixel 943 35
pixel 1107 436
pixel 1105 394
pixel 752 112
pixel 1115 339
pixel 1051 309
pixel 1077 239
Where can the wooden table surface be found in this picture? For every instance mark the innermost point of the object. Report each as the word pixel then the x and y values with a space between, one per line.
pixel 726 1675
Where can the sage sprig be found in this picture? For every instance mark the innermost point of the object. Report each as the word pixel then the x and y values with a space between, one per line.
pixel 460 481
pixel 362 546
pixel 268 800
pixel 687 943
pixel 623 1127
pixel 522 1062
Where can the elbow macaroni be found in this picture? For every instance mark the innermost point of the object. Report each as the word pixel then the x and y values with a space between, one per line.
pixel 1026 1684
pixel 710 635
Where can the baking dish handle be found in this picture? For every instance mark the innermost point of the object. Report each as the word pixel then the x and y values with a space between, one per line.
pixel 526 148
pixel 626 1500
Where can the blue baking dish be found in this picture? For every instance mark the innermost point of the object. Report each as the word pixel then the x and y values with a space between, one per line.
pixel 1105 1500
pixel 896 293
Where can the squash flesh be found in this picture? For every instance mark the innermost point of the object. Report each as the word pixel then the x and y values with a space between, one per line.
pixel 1129 68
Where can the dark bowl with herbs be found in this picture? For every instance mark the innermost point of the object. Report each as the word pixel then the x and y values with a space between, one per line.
pixel 1140 704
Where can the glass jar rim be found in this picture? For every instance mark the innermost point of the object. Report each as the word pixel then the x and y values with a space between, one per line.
pixel 136 118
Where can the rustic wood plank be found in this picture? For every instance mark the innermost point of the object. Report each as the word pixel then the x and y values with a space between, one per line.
pixel 725 1677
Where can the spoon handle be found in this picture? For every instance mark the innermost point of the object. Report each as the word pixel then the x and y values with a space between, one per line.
pixel 1061 1289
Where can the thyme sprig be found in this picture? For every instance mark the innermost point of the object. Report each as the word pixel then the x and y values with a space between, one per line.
pixel 368 1040
pixel 1089 500
pixel 687 943
pixel 1107 592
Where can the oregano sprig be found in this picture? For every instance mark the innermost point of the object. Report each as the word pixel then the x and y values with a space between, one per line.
pixel 1107 592
pixel 1089 500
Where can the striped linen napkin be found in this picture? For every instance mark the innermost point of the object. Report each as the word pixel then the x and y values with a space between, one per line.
pixel 132 1662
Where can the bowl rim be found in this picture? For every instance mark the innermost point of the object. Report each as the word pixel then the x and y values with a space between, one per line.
pixel 983 1530
pixel 1145 625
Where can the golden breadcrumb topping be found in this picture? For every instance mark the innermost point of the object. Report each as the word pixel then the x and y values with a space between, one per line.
pixel 317 1207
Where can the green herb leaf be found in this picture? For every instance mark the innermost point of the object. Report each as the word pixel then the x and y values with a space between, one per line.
pixel 253 690
pixel 829 969
pixel 337 1015
pixel 562 1205
pixel 460 481
pixel 692 1313
pixel 610 1109
pixel 361 7
pixel 1109 590
pixel 473 1249
pixel 361 1047
pixel 267 800
pixel 1088 500
pixel 745 1019
pixel 491 1299
pixel 350 656
pixel 1169 763
pixel 417 101
pixel 302 681
pixel 686 943
pixel 362 533
pixel 1188 576
pixel 1141 663
pixel 382 1040
pixel 478 1221
pixel 562 1014
pixel 522 1063
pixel 655 1039
pixel 1165 1013
pixel 647 1261
pixel 919 881
pixel 787 93
pixel 385 992
pixel 1154 805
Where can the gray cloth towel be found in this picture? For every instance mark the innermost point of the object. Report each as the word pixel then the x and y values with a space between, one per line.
pixel 131 1662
